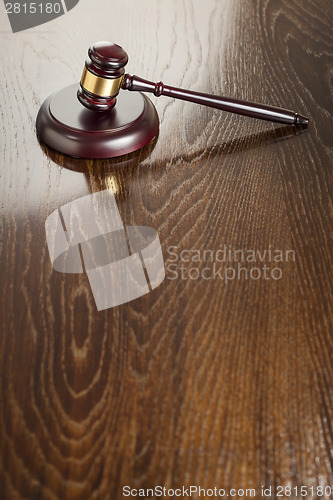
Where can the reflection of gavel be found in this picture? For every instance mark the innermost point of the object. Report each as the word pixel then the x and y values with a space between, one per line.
pixel 103 76
pixel 112 123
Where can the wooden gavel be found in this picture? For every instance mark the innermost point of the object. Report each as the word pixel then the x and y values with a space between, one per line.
pixel 104 75
pixel 112 123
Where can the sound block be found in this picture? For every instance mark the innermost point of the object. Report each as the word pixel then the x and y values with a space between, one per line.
pixel 67 126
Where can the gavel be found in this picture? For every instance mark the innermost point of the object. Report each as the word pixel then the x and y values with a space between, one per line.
pixel 104 75
pixel 104 122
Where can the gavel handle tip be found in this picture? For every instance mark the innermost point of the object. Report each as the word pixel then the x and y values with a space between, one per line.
pixel 301 120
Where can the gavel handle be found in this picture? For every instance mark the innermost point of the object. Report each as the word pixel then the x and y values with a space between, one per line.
pixel 252 109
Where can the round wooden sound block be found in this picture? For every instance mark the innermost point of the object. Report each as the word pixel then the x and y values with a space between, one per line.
pixel 67 126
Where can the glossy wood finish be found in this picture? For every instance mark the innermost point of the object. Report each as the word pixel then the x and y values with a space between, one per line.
pixel 197 382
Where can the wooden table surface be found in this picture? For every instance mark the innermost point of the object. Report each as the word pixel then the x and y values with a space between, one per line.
pixel 202 382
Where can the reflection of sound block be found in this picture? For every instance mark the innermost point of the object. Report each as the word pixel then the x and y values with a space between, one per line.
pixel 66 126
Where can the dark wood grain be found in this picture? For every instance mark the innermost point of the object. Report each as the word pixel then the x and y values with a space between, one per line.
pixel 198 382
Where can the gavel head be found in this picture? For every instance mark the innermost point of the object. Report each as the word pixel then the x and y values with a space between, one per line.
pixel 102 76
